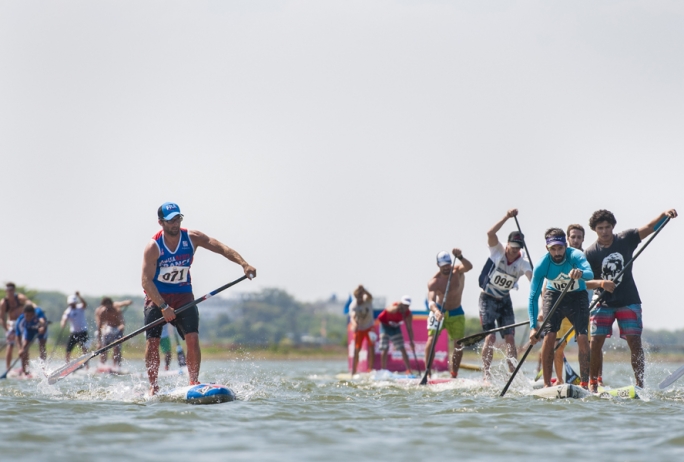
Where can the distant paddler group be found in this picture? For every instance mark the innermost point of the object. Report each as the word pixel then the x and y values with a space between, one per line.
pixel 567 279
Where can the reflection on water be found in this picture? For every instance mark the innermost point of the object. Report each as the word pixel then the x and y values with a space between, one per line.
pixel 301 411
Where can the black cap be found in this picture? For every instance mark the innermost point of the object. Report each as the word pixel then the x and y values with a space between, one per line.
pixel 516 237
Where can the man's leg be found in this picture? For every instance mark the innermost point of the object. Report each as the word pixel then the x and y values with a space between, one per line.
pixel 194 356
pixel 487 355
pixel 456 358
pixel 595 359
pixel 8 356
pixel 511 351
pixel 152 363
pixel 407 363
pixel 370 354
pixel 634 342
pixel 116 356
pixel 583 356
pixel 558 364
pixel 547 357
pixel 355 361
pixel 43 349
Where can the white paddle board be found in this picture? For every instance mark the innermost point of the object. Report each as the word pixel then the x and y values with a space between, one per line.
pixel 573 391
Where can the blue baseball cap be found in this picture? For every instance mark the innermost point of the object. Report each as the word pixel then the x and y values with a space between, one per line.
pixel 168 210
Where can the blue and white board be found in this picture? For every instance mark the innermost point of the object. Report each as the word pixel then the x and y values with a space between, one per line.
pixel 204 393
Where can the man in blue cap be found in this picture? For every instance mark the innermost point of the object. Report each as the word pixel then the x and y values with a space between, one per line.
pixel 167 284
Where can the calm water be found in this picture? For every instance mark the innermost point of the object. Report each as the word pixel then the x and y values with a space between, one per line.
pixel 291 411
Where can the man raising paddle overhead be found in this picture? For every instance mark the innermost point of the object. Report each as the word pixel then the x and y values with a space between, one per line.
pixel 608 257
pixel 561 267
pixel 447 307
pixel 499 275
pixel 167 284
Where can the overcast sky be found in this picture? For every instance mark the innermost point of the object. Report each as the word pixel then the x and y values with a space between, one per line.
pixel 334 143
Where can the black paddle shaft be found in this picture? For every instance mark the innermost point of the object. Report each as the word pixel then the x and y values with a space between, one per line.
pixel 619 275
pixel 529 258
pixel 537 335
pixel 473 339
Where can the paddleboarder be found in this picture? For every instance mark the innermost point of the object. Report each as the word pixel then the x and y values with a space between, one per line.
pixel 498 277
pixel 575 237
pixel 110 324
pixel 10 309
pixel 167 284
pixel 560 267
pixel 450 310
pixel 31 324
pixel 390 320
pixel 621 302
pixel 75 314
pixel 361 322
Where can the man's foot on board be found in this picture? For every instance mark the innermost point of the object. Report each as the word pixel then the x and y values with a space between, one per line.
pixel 593 386
pixel 154 389
pixel 600 381
pixel 454 374
pixel 584 385
pixel 194 383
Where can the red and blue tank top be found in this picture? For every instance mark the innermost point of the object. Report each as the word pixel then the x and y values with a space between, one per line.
pixel 172 275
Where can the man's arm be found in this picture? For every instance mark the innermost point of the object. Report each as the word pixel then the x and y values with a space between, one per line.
pixel 464 266
pixel 651 227
pixel 83 302
pixel 200 239
pixel 492 238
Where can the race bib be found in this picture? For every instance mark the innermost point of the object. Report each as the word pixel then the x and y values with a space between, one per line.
pixel 562 281
pixel 173 274
pixel 432 323
pixel 502 281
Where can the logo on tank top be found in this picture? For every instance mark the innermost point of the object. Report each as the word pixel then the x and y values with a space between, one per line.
pixel 185 243
pixel 611 267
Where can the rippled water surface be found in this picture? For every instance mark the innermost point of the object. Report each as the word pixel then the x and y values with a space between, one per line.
pixel 291 411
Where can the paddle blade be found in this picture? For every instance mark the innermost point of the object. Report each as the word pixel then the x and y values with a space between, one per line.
pixel 473 339
pixel 74 365
pixel 672 378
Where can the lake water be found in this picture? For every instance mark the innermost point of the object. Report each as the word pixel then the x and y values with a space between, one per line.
pixel 292 411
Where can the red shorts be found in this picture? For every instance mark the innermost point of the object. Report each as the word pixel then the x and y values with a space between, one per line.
pixel 359 335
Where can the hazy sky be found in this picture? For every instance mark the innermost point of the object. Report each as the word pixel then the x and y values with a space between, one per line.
pixel 334 143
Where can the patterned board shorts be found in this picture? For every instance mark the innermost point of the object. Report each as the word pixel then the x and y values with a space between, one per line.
pixel 496 312
pixel 628 318
pixel 391 334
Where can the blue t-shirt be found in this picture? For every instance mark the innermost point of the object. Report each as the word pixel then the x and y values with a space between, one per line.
pixel 557 277
pixel 28 330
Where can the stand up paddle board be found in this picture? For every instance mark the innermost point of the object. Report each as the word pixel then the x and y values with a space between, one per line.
pixel 573 391
pixel 204 393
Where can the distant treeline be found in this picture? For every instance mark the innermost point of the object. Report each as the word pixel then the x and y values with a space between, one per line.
pixel 274 317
